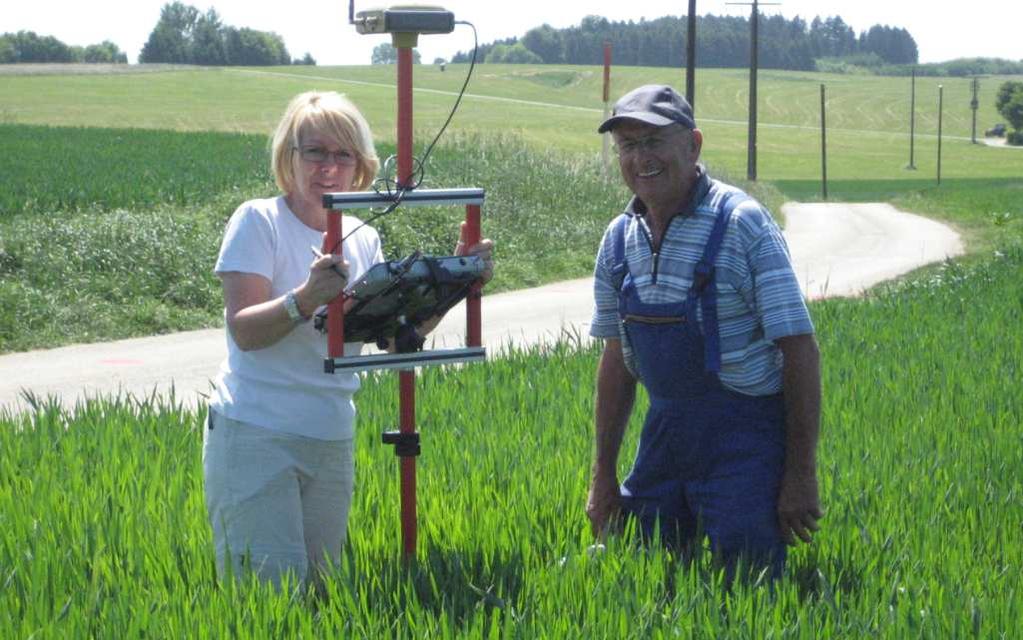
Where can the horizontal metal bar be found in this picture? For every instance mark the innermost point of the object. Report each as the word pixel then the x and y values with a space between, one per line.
pixel 405 360
pixel 414 198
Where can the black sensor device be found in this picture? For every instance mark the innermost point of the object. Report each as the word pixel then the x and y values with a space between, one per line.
pixel 396 295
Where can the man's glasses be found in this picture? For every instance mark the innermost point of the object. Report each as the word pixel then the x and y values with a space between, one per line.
pixel 654 144
pixel 319 155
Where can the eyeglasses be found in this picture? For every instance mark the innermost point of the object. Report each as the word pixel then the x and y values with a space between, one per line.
pixel 319 155
pixel 654 144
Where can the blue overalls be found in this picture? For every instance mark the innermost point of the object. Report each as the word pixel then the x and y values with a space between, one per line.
pixel 709 459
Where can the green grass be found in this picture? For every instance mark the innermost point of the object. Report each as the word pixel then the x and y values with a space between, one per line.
pixel 124 245
pixel 79 169
pixel 102 524
pixel 547 202
pixel 555 106
pixel 103 530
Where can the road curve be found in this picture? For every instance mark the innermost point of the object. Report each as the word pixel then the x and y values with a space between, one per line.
pixel 837 250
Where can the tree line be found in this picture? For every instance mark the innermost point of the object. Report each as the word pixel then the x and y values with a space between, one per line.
pixel 27 46
pixel 182 35
pixel 722 41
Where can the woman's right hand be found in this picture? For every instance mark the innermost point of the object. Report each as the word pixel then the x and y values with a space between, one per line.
pixel 328 276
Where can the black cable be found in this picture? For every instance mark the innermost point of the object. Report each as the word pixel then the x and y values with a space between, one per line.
pixel 472 65
pixel 419 166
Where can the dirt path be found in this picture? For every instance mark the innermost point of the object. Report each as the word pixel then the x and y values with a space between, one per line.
pixel 837 250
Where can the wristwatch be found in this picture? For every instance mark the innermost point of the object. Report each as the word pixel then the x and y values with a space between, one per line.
pixel 291 306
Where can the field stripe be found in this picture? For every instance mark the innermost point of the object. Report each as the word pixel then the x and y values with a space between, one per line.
pixel 552 105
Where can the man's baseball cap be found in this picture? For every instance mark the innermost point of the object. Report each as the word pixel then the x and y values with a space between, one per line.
pixel 656 104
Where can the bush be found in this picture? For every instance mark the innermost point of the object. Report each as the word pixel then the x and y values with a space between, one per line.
pixel 512 54
pixel 1015 138
pixel 1009 103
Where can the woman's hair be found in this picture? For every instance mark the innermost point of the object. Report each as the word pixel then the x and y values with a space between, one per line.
pixel 327 113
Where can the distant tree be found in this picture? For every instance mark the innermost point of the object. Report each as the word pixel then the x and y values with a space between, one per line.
pixel 26 46
pixel 894 46
pixel 29 47
pixel 723 42
pixel 255 48
pixel 481 52
pixel 183 35
pixel 545 41
pixel 512 54
pixel 385 53
pixel 7 51
pixel 105 52
pixel 171 38
pixel 439 61
pixel 209 46
pixel 307 60
pixel 1009 103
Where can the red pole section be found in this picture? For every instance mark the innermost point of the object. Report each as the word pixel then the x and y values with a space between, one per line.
pixel 406 379
pixel 404 116
pixel 335 308
pixel 607 72
pixel 407 390
pixel 473 317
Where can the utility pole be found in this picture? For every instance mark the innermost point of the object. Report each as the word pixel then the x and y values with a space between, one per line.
pixel 824 148
pixel 912 118
pixel 941 95
pixel 973 105
pixel 691 57
pixel 751 152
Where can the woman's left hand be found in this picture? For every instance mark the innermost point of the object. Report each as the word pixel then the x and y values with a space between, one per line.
pixel 484 249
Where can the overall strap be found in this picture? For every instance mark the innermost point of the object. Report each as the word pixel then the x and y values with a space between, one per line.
pixel 704 283
pixel 619 266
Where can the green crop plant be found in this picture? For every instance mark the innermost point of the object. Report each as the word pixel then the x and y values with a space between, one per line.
pixel 103 531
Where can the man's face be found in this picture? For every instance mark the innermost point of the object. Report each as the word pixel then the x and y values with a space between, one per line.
pixel 658 163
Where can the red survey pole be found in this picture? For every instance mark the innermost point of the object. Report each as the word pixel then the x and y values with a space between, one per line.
pixel 473 318
pixel 405 23
pixel 335 308
pixel 406 378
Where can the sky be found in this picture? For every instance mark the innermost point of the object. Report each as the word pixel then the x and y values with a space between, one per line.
pixel 943 30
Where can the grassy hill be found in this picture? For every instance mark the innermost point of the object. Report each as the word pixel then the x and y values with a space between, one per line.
pixel 557 106
pixel 125 170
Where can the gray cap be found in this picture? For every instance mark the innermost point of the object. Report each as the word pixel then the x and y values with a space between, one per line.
pixel 656 104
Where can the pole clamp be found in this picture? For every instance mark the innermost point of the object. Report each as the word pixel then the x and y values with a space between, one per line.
pixel 406 445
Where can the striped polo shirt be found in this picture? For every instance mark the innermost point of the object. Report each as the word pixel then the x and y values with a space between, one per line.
pixel 759 299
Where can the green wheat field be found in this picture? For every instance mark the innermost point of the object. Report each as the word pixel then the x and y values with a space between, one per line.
pixel 115 191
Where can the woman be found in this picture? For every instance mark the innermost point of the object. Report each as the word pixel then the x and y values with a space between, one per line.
pixel 277 452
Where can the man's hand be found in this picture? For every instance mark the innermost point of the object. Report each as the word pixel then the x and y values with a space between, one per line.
pixel 603 504
pixel 798 501
pixel 798 506
pixel 616 393
pixel 484 249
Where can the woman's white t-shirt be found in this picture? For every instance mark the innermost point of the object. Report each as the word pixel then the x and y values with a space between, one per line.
pixel 283 387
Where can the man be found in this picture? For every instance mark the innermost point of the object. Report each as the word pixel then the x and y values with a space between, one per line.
pixel 696 298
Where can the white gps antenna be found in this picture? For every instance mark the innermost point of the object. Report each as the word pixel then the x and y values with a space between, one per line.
pixel 405 18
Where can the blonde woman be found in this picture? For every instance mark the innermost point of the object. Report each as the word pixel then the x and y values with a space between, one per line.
pixel 277 453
